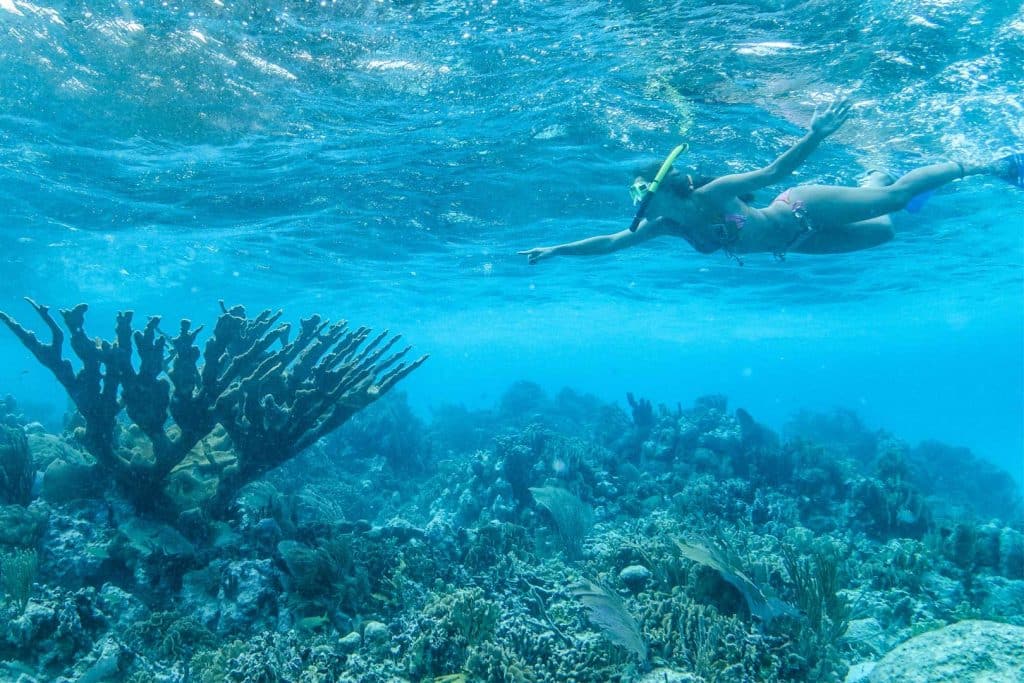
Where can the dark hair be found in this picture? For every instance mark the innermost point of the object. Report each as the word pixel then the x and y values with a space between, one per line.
pixel 679 184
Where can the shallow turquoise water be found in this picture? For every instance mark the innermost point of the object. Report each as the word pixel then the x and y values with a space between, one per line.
pixel 383 161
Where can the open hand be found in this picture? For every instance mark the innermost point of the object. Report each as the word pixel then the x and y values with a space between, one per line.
pixel 829 121
pixel 537 254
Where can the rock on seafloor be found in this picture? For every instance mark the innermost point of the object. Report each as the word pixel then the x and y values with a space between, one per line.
pixel 635 577
pixel 964 652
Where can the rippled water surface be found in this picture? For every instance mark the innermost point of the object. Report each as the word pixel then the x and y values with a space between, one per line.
pixel 383 161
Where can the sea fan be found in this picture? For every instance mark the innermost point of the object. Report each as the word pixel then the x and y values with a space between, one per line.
pixel 572 516
pixel 607 611
pixel 762 606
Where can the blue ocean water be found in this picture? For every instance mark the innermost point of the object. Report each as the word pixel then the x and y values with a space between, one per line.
pixel 384 161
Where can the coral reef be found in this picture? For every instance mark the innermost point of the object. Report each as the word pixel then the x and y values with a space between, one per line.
pixel 272 403
pixel 549 539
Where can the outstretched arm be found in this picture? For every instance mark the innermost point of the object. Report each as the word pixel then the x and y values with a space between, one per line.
pixel 822 125
pixel 599 244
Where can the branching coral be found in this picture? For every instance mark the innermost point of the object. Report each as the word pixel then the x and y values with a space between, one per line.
pixel 274 397
pixel 451 624
pixel 714 646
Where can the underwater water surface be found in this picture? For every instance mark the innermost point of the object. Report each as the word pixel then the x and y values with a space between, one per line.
pixel 382 161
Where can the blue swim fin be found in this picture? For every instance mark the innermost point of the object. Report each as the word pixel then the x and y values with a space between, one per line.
pixel 918 202
pixel 1014 169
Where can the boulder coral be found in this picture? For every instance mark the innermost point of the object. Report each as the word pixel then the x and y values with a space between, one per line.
pixel 971 650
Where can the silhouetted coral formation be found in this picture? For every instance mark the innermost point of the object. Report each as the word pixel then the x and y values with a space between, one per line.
pixel 272 402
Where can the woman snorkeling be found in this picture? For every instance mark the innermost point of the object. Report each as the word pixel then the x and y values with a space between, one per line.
pixel 713 214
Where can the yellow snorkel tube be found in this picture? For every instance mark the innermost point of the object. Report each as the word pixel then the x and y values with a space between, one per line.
pixel 643 192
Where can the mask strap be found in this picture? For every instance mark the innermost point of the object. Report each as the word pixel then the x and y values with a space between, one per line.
pixel 652 187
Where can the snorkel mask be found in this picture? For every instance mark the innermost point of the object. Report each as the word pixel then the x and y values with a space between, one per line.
pixel 642 191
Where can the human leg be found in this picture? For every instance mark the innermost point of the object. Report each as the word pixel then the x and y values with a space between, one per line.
pixel 840 219
pixel 836 205
pixel 876 179
pixel 840 239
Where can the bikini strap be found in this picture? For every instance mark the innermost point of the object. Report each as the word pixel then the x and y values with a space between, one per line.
pixel 726 240
pixel 800 213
